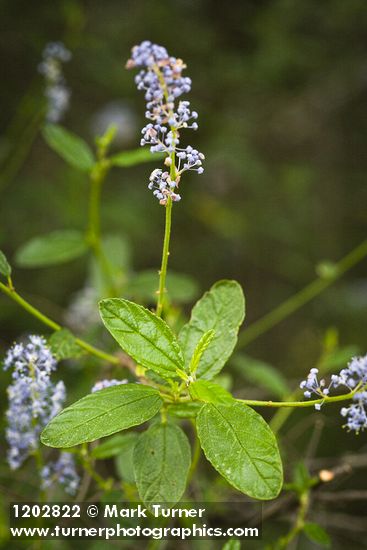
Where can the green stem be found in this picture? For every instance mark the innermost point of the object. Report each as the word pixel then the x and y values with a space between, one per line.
pixel 39 462
pixel 97 352
pixel 167 232
pixel 294 404
pixel 97 177
pixel 298 525
pixel 300 404
pixel 302 297
pixel 165 254
pixel 282 415
pixel 94 225
pixel 88 465
pixel 11 293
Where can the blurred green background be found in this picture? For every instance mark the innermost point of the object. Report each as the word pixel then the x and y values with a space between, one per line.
pixel 280 87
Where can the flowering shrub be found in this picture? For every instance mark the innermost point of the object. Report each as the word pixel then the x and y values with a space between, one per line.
pixel 173 366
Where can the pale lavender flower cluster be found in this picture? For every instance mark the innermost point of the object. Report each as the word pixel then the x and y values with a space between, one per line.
pixel 56 92
pixel 313 386
pixel 102 384
pixel 353 377
pixel 63 472
pixel 33 398
pixel 356 412
pixel 33 401
pixel 355 374
pixel 162 184
pixel 161 79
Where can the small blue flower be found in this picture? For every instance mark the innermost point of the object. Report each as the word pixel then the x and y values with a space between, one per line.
pixel 312 386
pixel 161 184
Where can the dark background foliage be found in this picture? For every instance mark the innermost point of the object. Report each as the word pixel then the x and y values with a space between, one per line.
pixel 280 87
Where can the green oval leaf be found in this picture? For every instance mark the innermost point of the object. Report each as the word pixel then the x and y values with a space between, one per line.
pixel 302 480
pixel 143 336
pixel 134 157
pixel 209 392
pixel 202 345
pixel 102 413
pixel 52 249
pixel 63 345
pixel 222 309
pixel 5 268
pixel 113 445
pixel 108 448
pixel 124 460
pixel 241 446
pixel 74 150
pixel 315 533
pixel 162 458
pixel 327 270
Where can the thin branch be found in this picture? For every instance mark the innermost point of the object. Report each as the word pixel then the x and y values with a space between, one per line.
pixel 295 302
pixel 11 293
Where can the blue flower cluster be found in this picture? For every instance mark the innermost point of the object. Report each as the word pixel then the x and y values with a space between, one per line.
pixel 161 184
pixel 63 472
pixel 33 401
pixel 56 92
pixel 161 79
pixel 354 377
pixel 102 384
pixel 33 398
pixel 313 386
